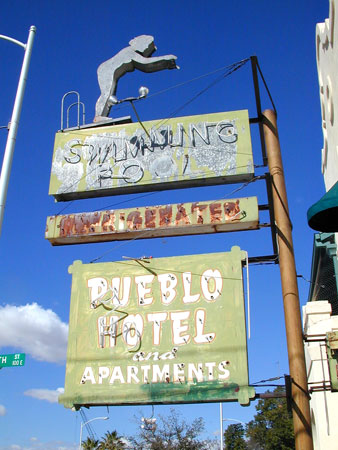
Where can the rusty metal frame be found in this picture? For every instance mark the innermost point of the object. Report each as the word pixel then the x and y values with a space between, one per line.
pixel 255 69
pixel 259 119
pixel 272 214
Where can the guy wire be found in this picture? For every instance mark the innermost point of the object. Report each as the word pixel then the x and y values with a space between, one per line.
pixel 144 233
pixel 231 68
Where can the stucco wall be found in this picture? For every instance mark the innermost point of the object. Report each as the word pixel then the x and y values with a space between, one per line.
pixel 317 321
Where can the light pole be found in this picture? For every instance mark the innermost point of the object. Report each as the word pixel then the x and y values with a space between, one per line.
pixel 14 123
pixel 223 420
pixel 83 424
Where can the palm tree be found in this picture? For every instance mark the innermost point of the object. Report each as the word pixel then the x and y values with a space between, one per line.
pixel 111 441
pixel 90 444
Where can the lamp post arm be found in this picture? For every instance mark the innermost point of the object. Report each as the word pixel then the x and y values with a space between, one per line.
pixel 13 129
pixel 235 420
pixel 14 41
pixel 85 423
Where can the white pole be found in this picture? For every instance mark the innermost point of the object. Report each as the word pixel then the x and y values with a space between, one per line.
pixel 13 128
pixel 80 445
pixel 221 421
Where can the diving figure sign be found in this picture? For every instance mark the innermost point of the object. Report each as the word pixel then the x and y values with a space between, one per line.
pixel 136 56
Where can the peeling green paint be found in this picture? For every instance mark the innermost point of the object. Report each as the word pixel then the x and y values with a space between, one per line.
pixel 166 330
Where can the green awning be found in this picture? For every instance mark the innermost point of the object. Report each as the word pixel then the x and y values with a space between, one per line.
pixel 323 215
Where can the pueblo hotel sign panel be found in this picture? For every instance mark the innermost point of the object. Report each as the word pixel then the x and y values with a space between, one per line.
pixel 166 330
pixel 172 153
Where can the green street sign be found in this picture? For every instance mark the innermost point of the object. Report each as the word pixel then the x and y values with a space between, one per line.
pixel 12 360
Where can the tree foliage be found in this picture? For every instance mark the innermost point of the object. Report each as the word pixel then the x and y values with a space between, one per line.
pixel 90 444
pixel 172 433
pixel 234 437
pixel 272 427
pixel 111 441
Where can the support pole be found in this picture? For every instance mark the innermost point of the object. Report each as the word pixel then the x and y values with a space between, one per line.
pixel 295 345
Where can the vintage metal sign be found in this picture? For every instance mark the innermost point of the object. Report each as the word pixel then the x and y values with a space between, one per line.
pixel 164 330
pixel 154 221
pixel 170 154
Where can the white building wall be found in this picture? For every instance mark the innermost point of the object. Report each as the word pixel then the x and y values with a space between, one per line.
pixel 327 66
pixel 317 321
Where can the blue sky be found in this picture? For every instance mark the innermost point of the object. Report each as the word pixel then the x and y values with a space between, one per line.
pixel 72 39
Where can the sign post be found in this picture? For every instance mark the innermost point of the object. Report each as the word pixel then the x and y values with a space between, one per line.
pixel 300 395
pixel 12 360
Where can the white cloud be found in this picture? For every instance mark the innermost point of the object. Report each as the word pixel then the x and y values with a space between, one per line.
pixel 38 445
pixel 45 394
pixel 2 410
pixel 34 330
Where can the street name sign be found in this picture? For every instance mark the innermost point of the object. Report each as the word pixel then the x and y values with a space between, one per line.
pixel 12 360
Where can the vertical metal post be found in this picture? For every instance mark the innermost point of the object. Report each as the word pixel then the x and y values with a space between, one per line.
pixel 221 423
pixel 295 345
pixel 80 444
pixel 13 128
